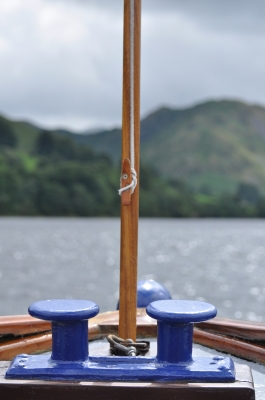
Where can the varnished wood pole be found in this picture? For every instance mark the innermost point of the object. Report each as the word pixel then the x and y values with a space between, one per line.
pixel 130 209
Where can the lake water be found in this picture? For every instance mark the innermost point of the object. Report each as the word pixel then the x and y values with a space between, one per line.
pixel 218 261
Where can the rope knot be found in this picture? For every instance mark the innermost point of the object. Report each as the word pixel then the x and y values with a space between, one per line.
pixel 132 185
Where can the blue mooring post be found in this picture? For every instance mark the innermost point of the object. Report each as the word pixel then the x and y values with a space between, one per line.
pixel 70 358
pixel 69 326
pixel 175 320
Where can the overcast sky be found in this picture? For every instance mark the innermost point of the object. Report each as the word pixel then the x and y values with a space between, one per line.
pixel 61 60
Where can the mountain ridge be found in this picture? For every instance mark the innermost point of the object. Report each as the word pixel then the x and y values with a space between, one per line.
pixel 212 146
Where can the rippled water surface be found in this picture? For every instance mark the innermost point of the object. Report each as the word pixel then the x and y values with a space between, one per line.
pixel 219 261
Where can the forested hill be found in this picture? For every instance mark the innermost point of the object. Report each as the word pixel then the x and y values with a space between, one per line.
pixel 55 176
pixel 206 161
pixel 214 145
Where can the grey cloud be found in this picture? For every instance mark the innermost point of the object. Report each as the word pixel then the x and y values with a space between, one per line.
pixel 235 15
pixel 191 51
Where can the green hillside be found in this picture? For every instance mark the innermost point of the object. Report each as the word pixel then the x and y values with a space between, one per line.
pixel 58 177
pixel 214 145
pixel 214 148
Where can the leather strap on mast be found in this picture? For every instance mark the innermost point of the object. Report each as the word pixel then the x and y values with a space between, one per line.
pixel 130 197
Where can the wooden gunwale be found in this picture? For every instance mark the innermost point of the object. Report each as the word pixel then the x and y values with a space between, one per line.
pixel 253 331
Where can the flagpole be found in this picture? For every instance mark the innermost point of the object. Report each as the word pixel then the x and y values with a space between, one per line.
pixel 130 169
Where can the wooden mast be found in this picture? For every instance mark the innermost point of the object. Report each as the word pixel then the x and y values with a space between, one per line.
pixel 129 200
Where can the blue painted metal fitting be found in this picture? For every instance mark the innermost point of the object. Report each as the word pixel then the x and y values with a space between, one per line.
pixel 69 326
pixel 70 358
pixel 175 320
pixel 150 290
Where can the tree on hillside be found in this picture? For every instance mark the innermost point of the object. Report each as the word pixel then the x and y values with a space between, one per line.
pixel 248 192
pixel 50 143
pixel 45 143
pixel 7 136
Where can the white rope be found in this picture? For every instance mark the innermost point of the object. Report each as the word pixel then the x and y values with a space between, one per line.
pixel 133 184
